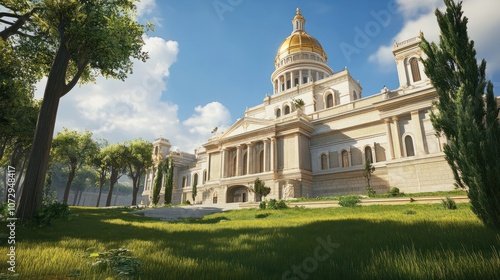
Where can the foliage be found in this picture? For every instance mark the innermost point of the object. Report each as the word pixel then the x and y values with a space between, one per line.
pixel 394 191
pixel 449 203
pixel 349 201
pixel 195 191
pixel 169 179
pixel 138 161
pixel 73 149
pixel 299 103
pixel 120 261
pixel 367 173
pixel 114 158
pixel 262 205
pixel 74 41
pixel 467 113
pixel 50 212
pixel 157 183
pixel 260 188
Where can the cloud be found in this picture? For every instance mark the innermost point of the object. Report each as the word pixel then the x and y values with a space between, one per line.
pixel 145 7
pixel 419 16
pixel 134 108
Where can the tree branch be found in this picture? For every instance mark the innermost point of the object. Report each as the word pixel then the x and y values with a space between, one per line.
pixel 6 22
pixel 14 28
pixel 72 83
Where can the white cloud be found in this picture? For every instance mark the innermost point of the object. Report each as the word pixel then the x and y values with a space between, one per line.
pixel 119 111
pixel 145 7
pixel 483 24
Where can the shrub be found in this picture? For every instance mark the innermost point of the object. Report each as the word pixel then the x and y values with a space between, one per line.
pixel 51 212
pixel 262 205
pixel 349 201
pixel 281 205
pixel 394 191
pixel 120 261
pixel 449 203
pixel 271 204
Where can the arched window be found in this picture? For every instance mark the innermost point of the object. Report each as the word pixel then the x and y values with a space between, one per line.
pixel 354 95
pixel 244 164
pixel 324 162
pixel 345 158
pixel 368 154
pixel 261 161
pixel 214 199
pixel 329 100
pixel 287 110
pixel 234 166
pixel 195 179
pixel 415 71
pixel 278 113
pixel 184 181
pixel 410 151
pixel 204 176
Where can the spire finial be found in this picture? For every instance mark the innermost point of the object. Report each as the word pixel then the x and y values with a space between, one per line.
pixel 298 11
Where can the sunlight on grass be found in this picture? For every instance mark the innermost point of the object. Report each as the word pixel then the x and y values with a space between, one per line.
pixel 374 242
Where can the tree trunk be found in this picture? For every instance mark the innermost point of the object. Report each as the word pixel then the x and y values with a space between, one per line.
pixel 101 184
pixel 71 176
pixel 32 191
pixel 112 181
pixel 135 189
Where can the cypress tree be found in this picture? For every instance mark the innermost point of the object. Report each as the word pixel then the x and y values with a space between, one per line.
pixel 157 183
pixel 467 113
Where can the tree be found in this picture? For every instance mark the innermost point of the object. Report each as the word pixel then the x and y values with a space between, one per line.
pixel 169 179
pixel 195 191
pixel 115 160
pixel 260 188
pixel 74 149
pixel 88 38
pixel 467 113
pixel 367 173
pixel 101 168
pixel 139 160
pixel 157 183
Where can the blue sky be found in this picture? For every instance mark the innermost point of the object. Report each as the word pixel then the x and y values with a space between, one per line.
pixel 212 59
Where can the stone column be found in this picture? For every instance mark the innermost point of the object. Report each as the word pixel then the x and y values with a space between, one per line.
pixel 417 131
pixel 249 158
pixel 309 76
pixel 291 80
pixel 300 77
pixel 238 160
pixel 223 163
pixel 274 155
pixel 209 156
pixel 266 152
pixel 396 138
pixel 387 122
pixel 317 75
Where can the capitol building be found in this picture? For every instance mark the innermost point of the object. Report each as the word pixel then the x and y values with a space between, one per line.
pixel 312 136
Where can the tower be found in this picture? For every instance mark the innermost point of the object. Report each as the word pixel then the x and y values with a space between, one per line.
pixel 410 69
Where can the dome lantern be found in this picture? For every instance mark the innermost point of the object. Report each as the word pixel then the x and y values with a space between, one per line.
pixel 298 22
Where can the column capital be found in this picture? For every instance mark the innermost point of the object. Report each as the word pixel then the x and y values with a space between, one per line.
pixel 415 112
pixel 387 120
pixel 265 140
pixel 395 119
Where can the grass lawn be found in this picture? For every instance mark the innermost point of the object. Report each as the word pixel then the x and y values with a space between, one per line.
pixel 388 195
pixel 370 242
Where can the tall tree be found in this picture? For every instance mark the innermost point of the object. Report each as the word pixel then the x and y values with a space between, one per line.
pixel 157 183
pixel 74 149
pixel 467 113
pixel 115 160
pixel 101 168
pixel 88 38
pixel 259 187
pixel 139 160
pixel 169 179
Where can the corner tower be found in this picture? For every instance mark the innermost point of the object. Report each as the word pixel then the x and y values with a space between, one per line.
pixel 300 59
pixel 408 55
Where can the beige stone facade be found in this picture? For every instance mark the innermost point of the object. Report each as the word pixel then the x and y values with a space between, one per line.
pixel 320 148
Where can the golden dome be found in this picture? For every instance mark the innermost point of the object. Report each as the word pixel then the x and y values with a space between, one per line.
pixel 299 42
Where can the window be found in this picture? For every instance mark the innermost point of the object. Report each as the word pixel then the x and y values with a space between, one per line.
pixel 410 151
pixel 156 150
pixel 329 100
pixel 184 181
pixel 214 199
pixel 204 176
pixel 288 84
pixel 195 179
pixel 354 95
pixel 368 154
pixel 415 71
pixel 345 158
pixel 324 162
pixel 287 110
pixel 296 81
pixel 304 80
pixel 234 166
pixel 278 113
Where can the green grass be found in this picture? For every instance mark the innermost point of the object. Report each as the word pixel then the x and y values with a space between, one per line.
pixel 387 195
pixel 375 242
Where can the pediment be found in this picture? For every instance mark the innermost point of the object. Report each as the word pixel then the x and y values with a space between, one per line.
pixel 246 125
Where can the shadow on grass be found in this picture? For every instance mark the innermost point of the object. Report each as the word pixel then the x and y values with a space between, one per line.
pixel 263 249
